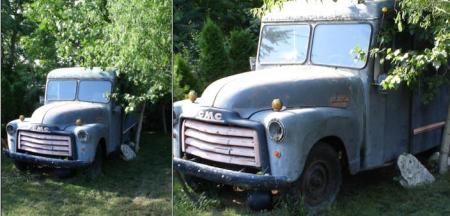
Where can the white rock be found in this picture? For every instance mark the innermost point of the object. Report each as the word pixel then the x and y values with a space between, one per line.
pixel 413 173
pixel 127 152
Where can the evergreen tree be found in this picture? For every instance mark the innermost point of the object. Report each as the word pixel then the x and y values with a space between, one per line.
pixel 183 78
pixel 242 46
pixel 214 62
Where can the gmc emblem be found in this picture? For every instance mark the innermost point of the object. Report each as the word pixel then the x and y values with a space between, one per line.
pixel 210 115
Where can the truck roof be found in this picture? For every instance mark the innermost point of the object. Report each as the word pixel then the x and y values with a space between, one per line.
pixel 82 73
pixel 329 10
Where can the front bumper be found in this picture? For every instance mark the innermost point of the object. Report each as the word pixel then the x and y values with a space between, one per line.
pixel 229 177
pixel 52 162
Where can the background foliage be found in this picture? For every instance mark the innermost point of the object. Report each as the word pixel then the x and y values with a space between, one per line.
pixel 423 64
pixel 215 38
pixel 38 36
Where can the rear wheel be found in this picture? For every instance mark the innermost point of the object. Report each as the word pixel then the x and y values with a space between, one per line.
pixel 321 178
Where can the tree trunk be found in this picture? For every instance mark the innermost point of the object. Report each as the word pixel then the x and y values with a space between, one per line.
pixel 164 123
pixel 138 131
pixel 445 146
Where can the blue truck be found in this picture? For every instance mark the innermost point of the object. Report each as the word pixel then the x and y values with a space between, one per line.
pixel 78 125
pixel 312 109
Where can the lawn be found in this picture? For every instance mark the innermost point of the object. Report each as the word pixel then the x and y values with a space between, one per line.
pixel 138 187
pixel 373 192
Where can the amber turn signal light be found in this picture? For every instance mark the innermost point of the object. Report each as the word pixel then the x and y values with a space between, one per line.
pixel 192 96
pixel 22 117
pixel 277 104
pixel 384 10
pixel 78 122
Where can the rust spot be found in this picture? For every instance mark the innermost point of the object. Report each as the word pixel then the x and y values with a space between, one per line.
pixel 339 101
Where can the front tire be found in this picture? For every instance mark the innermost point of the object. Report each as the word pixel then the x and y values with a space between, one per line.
pixel 96 168
pixel 321 178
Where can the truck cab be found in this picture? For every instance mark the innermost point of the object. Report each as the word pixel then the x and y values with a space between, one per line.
pixel 312 109
pixel 77 126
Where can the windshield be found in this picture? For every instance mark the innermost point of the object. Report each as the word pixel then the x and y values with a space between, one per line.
pixel 94 91
pixel 281 44
pixel 61 90
pixel 88 90
pixel 341 45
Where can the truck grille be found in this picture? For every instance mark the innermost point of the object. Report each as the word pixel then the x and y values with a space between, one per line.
pixel 44 143
pixel 226 144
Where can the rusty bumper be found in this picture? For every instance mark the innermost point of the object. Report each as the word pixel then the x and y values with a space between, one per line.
pixel 46 161
pixel 229 177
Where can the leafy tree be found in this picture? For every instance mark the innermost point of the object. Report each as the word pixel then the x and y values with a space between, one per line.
pixel 20 88
pixel 183 78
pixel 214 62
pixel 427 22
pixel 135 38
pixel 242 46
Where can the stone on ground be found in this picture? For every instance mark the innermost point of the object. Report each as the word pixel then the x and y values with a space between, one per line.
pixel 127 152
pixel 412 172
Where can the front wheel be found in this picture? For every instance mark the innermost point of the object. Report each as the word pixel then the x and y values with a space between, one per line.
pixel 321 178
pixel 95 169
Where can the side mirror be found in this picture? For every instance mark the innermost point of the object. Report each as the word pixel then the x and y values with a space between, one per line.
pixel 41 100
pixel 252 61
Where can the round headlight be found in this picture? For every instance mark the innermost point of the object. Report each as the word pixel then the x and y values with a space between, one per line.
pixel 10 129
pixel 276 130
pixel 82 135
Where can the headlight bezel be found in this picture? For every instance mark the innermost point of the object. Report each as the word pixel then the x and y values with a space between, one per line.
pixel 174 118
pixel 10 129
pixel 276 126
pixel 83 135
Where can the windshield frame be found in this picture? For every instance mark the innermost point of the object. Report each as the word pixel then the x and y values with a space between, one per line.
pixel 78 89
pixel 313 25
pixel 310 28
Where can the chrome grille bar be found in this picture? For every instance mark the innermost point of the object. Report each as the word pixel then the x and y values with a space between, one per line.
pixel 44 143
pixel 226 144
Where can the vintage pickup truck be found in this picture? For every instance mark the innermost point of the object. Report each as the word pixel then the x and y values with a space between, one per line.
pixel 77 126
pixel 311 111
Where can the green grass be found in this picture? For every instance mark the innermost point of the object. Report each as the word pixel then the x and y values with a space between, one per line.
pixel 369 193
pixel 138 187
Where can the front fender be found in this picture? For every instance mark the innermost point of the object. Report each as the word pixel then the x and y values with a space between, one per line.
pixel 304 127
pixel 12 138
pixel 86 150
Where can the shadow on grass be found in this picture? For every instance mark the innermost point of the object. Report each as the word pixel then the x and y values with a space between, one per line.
pixel 138 187
pixel 374 192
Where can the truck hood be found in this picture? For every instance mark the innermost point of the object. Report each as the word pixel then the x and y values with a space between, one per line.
pixel 296 86
pixel 64 114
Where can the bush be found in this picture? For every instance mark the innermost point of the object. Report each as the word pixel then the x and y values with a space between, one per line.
pixel 183 78
pixel 242 46
pixel 213 57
